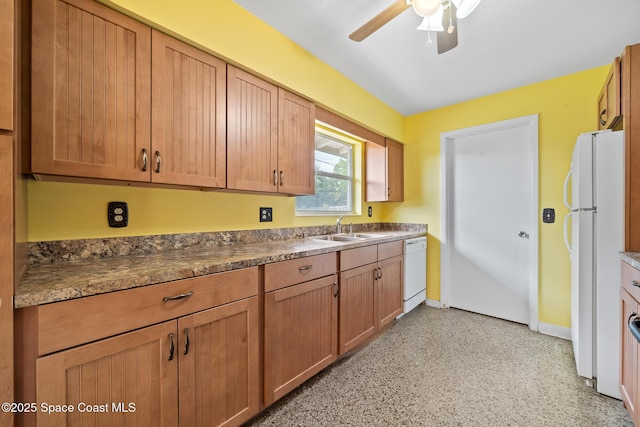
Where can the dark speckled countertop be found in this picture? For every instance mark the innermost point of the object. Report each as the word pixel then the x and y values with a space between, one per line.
pixel 63 280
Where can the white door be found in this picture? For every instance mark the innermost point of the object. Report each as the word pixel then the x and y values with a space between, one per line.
pixel 490 219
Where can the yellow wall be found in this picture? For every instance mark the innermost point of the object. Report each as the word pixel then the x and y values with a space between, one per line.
pixel 566 108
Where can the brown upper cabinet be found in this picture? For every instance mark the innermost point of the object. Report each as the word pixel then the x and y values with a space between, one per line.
pixel 609 104
pixel 384 171
pixel 270 137
pixel 90 91
pixel 188 114
pixel 6 64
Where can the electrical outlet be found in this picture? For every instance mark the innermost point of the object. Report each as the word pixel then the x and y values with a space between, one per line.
pixel 370 212
pixel 118 214
pixel 266 214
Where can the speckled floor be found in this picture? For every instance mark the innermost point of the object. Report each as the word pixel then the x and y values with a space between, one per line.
pixel 450 368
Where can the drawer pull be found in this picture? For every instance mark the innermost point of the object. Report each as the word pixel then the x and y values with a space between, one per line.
pixel 186 342
pixel 634 326
pixel 336 289
pixel 172 347
pixel 635 283
pixel 158 161
pixel 177 297
pixel 305 268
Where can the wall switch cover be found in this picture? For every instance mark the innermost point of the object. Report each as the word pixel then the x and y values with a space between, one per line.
pixel 118 214
pixel 266 214
pixel 548 215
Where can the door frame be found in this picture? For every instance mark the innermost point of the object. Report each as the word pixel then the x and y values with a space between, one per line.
pixel 446 171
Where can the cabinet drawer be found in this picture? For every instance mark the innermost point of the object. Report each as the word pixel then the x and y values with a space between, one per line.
pixel 66 324
pixel 352 258
pixel 630 276
pixel 286 273
pixel 389 250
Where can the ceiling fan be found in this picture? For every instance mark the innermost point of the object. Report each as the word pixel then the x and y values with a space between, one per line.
pixel 440 16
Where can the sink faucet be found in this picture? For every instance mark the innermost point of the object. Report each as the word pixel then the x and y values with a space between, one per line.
pixel 339 225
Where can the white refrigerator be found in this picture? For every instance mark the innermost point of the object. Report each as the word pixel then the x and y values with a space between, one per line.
pixel 594 236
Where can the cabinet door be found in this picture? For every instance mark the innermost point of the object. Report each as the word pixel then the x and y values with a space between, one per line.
pixel 252 132
pixel 296 144
pixel 219 365
pixel 390 290
pixel 90 91
pixel 395 171
pixel 301 335
pixel 357 307
pixel 629 356
pixel 609 105
pixel 6 64
pixel 131 377
pixel 188 114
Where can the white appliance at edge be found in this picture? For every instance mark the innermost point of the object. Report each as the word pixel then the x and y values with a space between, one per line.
pixel 596 176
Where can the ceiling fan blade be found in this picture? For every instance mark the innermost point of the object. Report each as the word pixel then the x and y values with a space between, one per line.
pixel 447 41
pixel 395 9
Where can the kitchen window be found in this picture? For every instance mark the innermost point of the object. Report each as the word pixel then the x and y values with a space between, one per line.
pixel 334 169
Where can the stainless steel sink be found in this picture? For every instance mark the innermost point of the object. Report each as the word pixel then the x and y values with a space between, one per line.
pixel 351 237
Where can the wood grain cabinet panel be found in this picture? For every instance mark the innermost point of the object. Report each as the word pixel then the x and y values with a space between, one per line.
pixel 384 171
pixel 609 103
pixel 252 132
pixel 219 365
pixel 6 64
pixel 358 308
pixel 188 114
pixel 301 334
pixel 133 368
pixel 296 144
pixel 390 290
pixel 90 91
pixel 270 137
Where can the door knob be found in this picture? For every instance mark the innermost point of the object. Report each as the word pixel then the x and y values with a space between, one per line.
pixel 523 234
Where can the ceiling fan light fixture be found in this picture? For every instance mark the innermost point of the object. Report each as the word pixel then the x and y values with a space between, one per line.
pixel 426 7
pixel 465 7
pixel 433 22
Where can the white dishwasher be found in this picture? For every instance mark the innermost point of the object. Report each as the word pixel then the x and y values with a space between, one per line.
pixel 415 272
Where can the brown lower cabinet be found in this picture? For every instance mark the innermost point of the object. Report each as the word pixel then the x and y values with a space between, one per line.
pixel 629 354
pixel 199 368
pixel 300 322
pixel 371 291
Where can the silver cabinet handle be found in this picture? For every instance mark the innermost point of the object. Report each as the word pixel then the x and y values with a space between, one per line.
pixel 281 178
pixel 305 268
pixel 145 159
pixel 336 289
pixel 380 273
pixel 177 297
pixel 635 283
pixel 603 121
pixel 275 178
pixel 158 161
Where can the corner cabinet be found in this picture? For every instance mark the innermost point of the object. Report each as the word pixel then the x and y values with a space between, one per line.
pixel 270 137
pixel 384 170
pixel 91 100
pixel 196 365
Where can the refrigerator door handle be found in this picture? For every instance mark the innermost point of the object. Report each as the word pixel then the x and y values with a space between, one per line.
pixel 566 187
pixel 566 232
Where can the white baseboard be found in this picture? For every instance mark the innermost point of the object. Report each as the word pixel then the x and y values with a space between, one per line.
pixel 554 330
pixel 433 303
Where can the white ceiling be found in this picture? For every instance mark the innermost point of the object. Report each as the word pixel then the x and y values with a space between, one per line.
pixel 502 45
